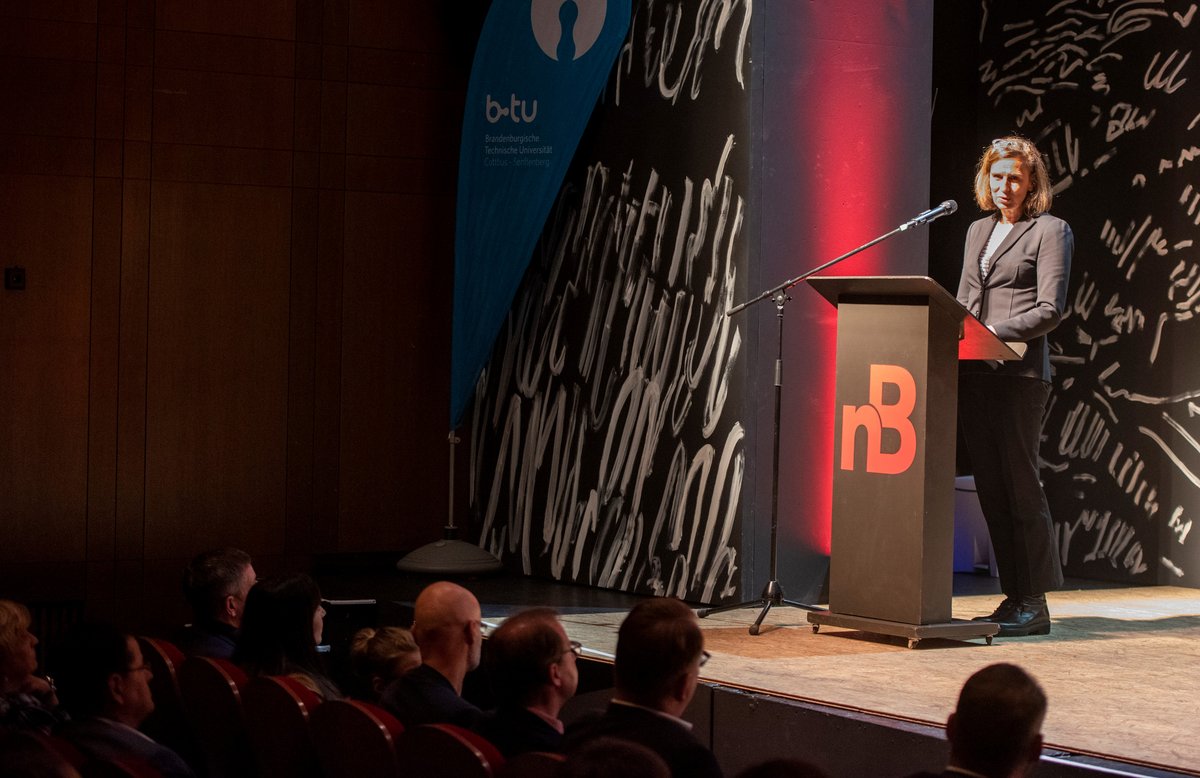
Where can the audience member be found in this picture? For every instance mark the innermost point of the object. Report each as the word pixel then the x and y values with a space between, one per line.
pixel 24 755
pixel 380 656
pixel 447 626
pixel 281 628
pixel 216 584
pixel 27 701
pixel 605 757
pixel 996 729
pixel 659 653
pixel 782 768
pixel 105 685
pixel 532 667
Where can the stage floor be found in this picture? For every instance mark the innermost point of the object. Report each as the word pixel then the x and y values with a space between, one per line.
pixel 1119 668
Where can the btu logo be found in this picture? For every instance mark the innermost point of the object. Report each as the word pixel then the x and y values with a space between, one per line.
pixel 877 416
pixel 515 110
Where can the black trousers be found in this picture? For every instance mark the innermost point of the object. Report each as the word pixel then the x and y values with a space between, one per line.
pixel 1001 420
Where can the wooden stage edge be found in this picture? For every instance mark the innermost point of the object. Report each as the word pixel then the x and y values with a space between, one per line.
pixel 1119 669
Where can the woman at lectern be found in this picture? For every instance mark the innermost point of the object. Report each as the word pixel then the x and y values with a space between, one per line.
pixel 1016 265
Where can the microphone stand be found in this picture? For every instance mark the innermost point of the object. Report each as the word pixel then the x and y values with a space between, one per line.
pixel 772 593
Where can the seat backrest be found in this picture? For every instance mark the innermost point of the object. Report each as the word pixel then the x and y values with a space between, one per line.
pixel 168 723
pixel 212 697
pixel 447 751
pixel 113 767
pixel 61 747
pixel 278 711
pixel 532 764
pixel 355 739
pixel 92 766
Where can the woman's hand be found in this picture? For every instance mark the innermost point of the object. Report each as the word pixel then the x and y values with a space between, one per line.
pixel 43 689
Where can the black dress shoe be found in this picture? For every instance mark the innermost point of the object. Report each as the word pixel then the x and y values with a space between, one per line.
pixel 1005 611
pixel 1031 617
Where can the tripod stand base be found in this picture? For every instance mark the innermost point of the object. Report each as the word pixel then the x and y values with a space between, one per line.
pixel 449 556
pixel 955 629
pixel 772 595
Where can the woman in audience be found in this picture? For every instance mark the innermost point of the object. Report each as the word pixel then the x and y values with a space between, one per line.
pixel 281 628
pixel 27 701
pixel 380 656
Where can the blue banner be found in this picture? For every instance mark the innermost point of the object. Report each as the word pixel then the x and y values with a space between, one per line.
pixel 539 69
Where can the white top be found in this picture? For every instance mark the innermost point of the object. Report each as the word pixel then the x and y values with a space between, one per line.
pixel 999 232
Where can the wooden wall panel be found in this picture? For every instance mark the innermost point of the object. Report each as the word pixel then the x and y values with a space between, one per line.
pixel 389 24
pixel 393 460
pixel 273 19
pixel 300 515
pixel 327 377
pixel 223 54
pixel 49 39
pixel 61 10
pixel 48 98
pixel 222 109
pixel 222 165
pixel 217 343
pixel 103 377
pixel 46 221
pixel 392 121
pixel 242 329
pixel 127 539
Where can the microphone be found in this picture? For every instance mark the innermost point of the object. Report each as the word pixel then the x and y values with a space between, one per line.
pixel 949 206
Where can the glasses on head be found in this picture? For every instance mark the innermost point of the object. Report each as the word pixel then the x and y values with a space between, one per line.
pixel 704 657
pixel 142 666
pixel 1001 145
pixel 573 647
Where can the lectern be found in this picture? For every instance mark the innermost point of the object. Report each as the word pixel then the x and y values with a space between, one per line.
pixel 899 339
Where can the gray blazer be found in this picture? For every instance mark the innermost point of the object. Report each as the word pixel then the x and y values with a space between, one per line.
pixel 1025 292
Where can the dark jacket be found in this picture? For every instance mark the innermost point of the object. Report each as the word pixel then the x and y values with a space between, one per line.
pixel 1025 293
pixel 106 739
pixel 685 755
pixel 424 696
pixel 213 639
pixel 517 731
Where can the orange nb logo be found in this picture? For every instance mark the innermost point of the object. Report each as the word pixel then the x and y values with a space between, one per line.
pixel 877 416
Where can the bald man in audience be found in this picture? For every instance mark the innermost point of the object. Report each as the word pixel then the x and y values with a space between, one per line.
pixel 659 653
pixel 448 629
pixel 531 663
pixel 995 730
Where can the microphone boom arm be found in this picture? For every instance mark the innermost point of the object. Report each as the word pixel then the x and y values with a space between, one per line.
pixel 949 206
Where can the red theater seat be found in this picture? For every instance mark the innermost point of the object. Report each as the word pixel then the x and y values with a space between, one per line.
pixel 212 697
pixel 355 739
pixel 534 764
pixel 168 724
pixel 447 751
pixel 278 711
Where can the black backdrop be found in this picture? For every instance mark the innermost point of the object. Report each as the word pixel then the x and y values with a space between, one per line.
pixel 1108 90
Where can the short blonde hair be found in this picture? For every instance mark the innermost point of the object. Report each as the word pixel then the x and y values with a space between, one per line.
pixel 14 620
pixel 377 652
pixel 1040 195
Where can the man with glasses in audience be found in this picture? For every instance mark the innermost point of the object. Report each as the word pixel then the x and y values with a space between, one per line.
pixel 660 650
pixel 104 683
pixel 531 664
